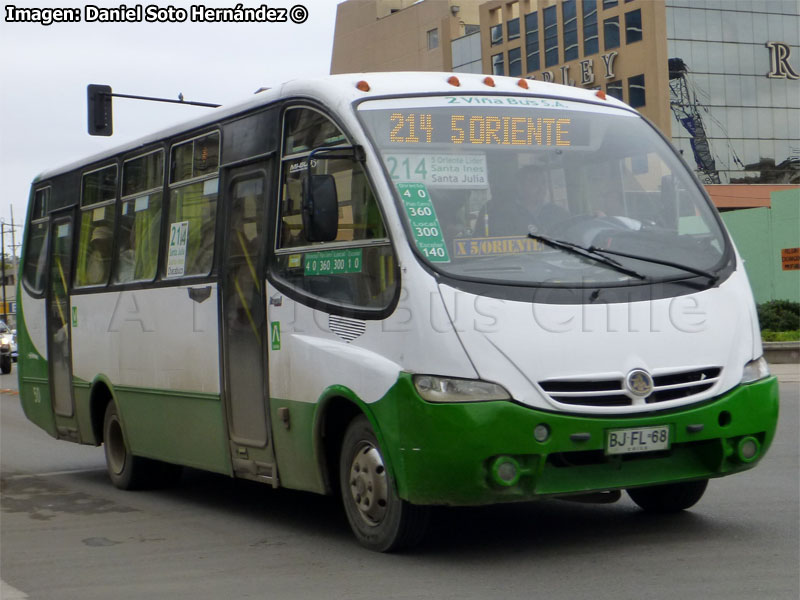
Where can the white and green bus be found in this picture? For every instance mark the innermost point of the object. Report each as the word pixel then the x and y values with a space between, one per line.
pixel 407 289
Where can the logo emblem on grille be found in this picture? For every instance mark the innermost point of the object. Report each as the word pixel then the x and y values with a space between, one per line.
pixel 639 383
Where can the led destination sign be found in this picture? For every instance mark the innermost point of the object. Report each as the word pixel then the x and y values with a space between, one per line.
pixel 461 128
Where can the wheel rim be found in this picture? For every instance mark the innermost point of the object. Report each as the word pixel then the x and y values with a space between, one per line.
pixel 115 444
pixel 369 486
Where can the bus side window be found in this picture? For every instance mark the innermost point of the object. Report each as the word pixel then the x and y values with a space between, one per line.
pixel 357 268
pixel 194 187
pixel 140 218
pixel 36 249
pixel 98 194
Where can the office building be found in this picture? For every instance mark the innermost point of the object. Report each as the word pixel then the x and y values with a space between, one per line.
pixel 720 78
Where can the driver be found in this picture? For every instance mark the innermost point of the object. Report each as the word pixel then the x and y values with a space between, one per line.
pixel 529 208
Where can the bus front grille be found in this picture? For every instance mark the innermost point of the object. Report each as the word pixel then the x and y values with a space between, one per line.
pixel 612 392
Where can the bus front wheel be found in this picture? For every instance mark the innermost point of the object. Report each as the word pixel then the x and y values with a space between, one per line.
pixel 127 471
pixel 669 498
pixel 380 520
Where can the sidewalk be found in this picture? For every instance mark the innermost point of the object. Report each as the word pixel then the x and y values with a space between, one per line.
pixel 786 373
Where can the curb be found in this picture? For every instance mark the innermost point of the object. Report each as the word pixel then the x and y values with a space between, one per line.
pixel 782 352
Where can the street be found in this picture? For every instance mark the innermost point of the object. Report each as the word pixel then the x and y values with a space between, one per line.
pixel 66 533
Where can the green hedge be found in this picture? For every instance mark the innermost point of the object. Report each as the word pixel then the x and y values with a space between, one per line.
pixel 768 335
pixel 779 316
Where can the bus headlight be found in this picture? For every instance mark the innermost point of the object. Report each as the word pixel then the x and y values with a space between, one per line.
pixel 447 389
pixel 755 370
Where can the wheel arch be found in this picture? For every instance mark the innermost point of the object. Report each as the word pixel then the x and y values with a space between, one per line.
pixel 102 392
pixel 337 408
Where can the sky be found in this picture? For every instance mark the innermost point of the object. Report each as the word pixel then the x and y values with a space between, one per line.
pixel 44 71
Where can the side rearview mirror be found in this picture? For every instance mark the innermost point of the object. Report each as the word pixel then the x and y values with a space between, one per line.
pixel 320 204
pixel 320 208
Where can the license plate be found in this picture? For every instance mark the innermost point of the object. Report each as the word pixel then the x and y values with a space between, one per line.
pixel 637 439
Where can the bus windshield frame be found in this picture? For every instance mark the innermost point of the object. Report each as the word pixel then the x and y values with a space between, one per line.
pixel 462 168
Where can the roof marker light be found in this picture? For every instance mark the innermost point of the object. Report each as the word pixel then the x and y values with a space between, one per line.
pixel 523 83
pixel 363 86
pixel 489 81
pixel 453 80
pixel 600 94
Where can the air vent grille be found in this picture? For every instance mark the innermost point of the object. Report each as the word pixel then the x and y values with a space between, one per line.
pixel 346 328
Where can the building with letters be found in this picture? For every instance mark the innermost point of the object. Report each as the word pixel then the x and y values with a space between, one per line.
pixel 721 78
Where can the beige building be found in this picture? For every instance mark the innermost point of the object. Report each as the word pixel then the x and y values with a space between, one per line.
pixel 618 46
pixel 539 39
pixel 400 35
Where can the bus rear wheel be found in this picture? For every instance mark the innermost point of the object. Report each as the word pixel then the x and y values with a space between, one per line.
pixel 669 498
pixel 380 520
pixel 127 471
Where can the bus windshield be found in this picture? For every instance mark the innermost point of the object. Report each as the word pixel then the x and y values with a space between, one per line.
pixel 476 175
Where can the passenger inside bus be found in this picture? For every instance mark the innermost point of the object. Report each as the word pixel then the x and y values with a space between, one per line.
pixel 99 256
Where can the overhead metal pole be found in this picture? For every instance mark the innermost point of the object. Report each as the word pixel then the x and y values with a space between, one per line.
pixel 3 263
pixel 14 262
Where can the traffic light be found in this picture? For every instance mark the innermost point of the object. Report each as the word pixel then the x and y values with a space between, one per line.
pixel 98 101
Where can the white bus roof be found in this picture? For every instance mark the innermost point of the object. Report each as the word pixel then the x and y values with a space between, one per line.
pixel 340 91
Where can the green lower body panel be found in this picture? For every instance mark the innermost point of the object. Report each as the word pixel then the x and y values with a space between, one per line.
pixel 178 427
pixel 449 453
pixel 34 395
pixel 34 380
pixel 298 466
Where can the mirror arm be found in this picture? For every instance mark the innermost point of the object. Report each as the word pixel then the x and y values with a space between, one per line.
pixel 355 152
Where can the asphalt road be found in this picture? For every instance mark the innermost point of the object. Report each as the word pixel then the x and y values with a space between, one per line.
pixel 66 533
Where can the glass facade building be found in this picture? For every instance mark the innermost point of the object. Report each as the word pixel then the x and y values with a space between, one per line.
pixel 728 89
pixel 719 77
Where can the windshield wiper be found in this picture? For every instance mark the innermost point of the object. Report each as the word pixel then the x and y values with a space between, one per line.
pixel 586 253
pixel 657 261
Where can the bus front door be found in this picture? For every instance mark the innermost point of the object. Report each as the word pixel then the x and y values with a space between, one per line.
pixel 59 332
pixel 244 317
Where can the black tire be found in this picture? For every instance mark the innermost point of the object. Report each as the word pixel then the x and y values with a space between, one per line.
pixel 380 520
pixel 669 498
pixel 5 364
pixel 126 471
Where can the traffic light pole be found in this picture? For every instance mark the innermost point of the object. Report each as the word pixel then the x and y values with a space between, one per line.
pixel 98 101
pixel 179 101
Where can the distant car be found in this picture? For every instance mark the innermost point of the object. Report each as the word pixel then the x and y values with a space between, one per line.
pixel 8 348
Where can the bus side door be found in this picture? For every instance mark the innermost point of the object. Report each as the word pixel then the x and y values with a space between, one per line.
pixel 243 312
pixel 59 327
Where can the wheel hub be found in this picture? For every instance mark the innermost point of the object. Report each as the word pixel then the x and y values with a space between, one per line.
pixel 369 485
pixel 116 447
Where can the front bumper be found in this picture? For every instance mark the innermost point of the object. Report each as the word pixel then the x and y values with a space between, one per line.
pixel 445 453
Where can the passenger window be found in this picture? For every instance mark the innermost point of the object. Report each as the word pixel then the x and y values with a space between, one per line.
pixel 357 269
pixel 36 250
pixel 359 218
pixel 196 158
pixel 98 192
pixel 193 194
pixel 140 218
pixel 306 129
